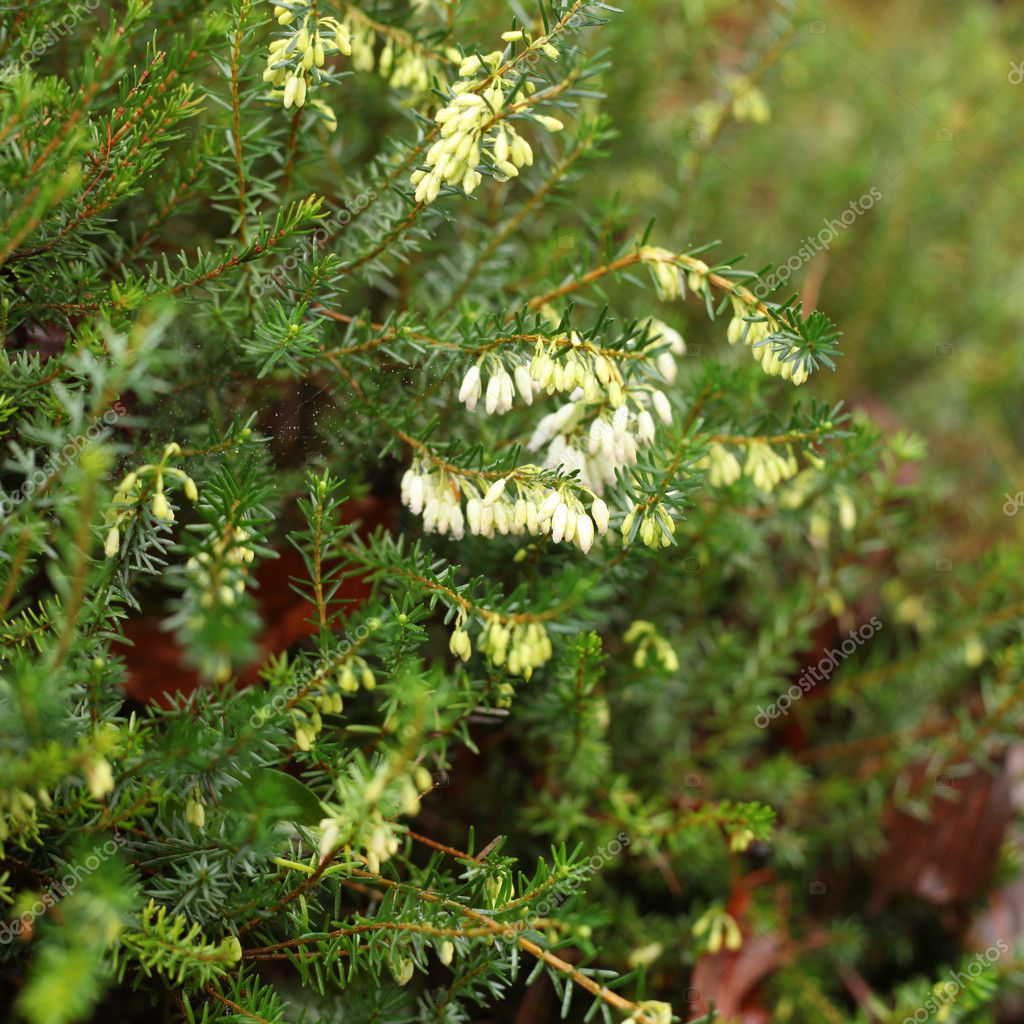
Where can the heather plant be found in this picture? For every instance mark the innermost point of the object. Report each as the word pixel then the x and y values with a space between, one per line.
pixel 559 501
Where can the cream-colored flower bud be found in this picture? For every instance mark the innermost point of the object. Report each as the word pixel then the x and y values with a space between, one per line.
pixel 524 383
pixel 662 406
pixel 459 645
pixel 559 521
pixel 551 123
pixel 492 394
pixel 548 506
pixel 666 364
pixel 501 149
pixel 584 532
pixel 290 89
pixel 494 492
pixel 502 520
pixel 471 388
pixel 113 542
pixel 645 427
pixel 99 778
pixel 128 483
pixel 195 813
pixel 161 508
pixel 519 515
pixel 520 152
pixel 506 169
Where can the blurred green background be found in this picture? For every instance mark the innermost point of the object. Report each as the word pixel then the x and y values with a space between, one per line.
pixel 917 99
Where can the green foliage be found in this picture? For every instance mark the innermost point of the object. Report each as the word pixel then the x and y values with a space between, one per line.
pixel 534 709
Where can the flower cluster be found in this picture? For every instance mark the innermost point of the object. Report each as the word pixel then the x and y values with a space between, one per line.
pixel 807 487
pixel 519 647
pixel 665 270
pixel 501 387
pixel 650 644
pixel 590 373
pixel 512 505
pixel 594 374
pixel 364 816
pixel 221 573
pixel 437 497
pixel 766 467
pixel 294 62
pixel 749 103
pixel 651 1011
pixel 135 486
pixel 721 930
pixel 18 811
pixel 651 522
pixel 723 467
pixel 325 698
pixel 597 444
pixel 752 321
pixel 477 117
pixel 402 62
pixel 750 325
pixel 606 420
